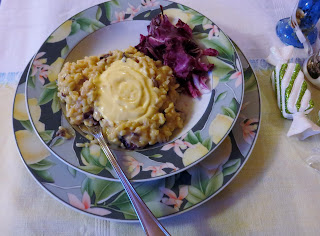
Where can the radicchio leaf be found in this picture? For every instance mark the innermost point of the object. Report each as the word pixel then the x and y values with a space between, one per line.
pixel 173 45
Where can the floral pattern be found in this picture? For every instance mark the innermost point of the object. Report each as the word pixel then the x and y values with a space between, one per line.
pixel 132 11
pixel 237 77
pixel 119 17
pixel 158 170
pixel 40 67
pixel 166 196
pixel 249 128
pixel 184 151
pixel 214 31
pixel 132 166
pixel 178 145
pixel 85 204
pixel 173 199
pixel 149 3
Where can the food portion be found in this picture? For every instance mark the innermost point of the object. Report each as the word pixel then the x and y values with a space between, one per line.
pixel 173 45
pixel 132 94
pixel 129 94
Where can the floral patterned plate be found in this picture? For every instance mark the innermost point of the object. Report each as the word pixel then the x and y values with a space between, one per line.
pixel 92 32
pixel 165 197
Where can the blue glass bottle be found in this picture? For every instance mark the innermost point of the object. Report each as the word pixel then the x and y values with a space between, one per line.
pixel 307 14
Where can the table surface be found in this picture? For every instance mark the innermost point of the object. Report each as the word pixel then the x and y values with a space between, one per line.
pixel 275 193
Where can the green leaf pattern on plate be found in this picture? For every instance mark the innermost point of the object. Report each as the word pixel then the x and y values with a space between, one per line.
pixel 75 27
pixel 231 110
pixel 250 81
pixel 42 165
pixel 55 106
pixel 57 141
pixel 104 190
pixel 89 25
pixel 192 138
pixel 46 135
pixel 197 19
pixel 51 85
pixel 41 169
pixel 27 125
pixel 207 143
pixel 87 186
pixel 231 167
pixel 221 96
pixel 46 96
pixel 98 14
pixel 147 14
pixel 45 175
pixel 156 156
pixel 65 50
pixel 72 171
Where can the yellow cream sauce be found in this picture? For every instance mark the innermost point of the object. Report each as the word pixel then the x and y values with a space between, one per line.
pixel 125 92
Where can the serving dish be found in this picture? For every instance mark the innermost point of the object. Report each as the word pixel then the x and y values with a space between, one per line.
pixel 117 25
pixel 166 197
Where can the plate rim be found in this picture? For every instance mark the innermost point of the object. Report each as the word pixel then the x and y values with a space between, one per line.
pixel 114 179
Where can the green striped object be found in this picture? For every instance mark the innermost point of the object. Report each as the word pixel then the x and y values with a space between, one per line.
pixel 277 77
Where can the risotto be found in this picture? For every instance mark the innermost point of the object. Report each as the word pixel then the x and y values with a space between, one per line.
pixel 131 96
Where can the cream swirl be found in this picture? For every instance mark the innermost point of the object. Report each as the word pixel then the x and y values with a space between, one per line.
pixel 125 93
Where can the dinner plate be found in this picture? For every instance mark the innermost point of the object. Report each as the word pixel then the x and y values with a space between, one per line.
pixel 165 197
pixel 92 32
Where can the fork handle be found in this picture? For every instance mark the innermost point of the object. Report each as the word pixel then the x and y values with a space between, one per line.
pixel 149 222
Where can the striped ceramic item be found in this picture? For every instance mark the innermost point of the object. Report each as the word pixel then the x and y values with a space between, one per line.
pixel 291 90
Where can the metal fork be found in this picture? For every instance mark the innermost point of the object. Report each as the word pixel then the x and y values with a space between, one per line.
pixel 149 222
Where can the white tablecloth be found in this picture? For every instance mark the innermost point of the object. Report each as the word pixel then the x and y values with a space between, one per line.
pixel 276 193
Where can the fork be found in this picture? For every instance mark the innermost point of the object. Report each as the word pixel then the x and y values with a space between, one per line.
pixel 149 222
